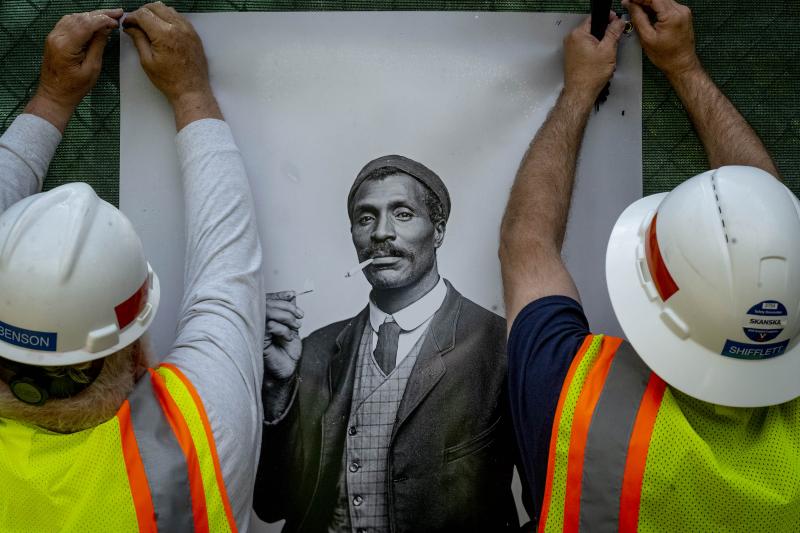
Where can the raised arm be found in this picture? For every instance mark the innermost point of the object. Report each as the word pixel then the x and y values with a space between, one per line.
pixel 669 43
pixel 73 57
pixel 222 315
pixel 535 220
pixel 221 319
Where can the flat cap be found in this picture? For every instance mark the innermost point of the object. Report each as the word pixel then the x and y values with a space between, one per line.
pixel 405 165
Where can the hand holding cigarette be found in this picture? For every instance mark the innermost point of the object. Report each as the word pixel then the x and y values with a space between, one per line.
pixel 282 344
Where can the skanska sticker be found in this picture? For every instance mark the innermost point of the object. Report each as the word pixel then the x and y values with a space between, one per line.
pixel 765 321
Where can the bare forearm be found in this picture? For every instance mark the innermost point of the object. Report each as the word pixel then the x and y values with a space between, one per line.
pixel 725 134
pixel 536 217
pixel 539 203
pixel 535 221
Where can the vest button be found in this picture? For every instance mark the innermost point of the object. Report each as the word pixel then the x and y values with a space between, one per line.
pixel 354 466
pixel 352 430
pixel 358 500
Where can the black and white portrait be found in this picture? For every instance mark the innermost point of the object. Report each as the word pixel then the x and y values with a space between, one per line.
pixel 411 390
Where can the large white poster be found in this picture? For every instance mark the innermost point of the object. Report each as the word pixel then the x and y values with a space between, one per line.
pixel 312 97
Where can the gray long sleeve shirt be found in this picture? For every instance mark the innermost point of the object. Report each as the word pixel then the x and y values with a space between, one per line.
pixel 220 329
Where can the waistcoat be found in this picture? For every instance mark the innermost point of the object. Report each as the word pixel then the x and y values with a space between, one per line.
pixel 362 502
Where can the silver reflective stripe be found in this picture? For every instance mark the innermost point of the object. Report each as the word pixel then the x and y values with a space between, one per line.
pixel 607 442
pixel 164 462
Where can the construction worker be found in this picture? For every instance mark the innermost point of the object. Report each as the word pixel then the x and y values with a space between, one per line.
pixel 693 423
pixel 91 437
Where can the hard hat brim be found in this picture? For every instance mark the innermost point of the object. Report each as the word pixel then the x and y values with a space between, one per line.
pixel 684 363
pixel 126 337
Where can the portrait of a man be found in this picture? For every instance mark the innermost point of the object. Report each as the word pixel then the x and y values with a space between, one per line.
pixel 395 419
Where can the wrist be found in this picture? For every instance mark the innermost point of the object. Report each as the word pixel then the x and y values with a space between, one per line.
pixel 274 383
pixel 55 111
pixel 689 67
pixel 579 99
pixel 196 105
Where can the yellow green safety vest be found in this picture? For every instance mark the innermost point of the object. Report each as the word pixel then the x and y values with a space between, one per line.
pixel 153 467
pixel 629 453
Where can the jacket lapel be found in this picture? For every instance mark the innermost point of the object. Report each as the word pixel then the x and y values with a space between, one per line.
pixel 341 379
pixel 430 367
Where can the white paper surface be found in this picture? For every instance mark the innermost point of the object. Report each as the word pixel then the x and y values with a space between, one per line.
pixel 312 97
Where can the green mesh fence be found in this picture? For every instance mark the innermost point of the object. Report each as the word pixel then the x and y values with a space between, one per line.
pixel 750 49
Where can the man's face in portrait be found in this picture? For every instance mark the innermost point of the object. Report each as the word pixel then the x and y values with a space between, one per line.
pixel 392 224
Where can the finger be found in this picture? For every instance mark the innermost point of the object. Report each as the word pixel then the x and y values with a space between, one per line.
pixel 141 42
pixel 79 29
pixel 275 329
pixel 164 12
pixel 289 307
pixel 94 55
pixel 283 316
pixel 147 21
pixel 613 32
pixel 586 25
pixel 661 7
pixel 283 295
pixel 641 21
pixel 115 13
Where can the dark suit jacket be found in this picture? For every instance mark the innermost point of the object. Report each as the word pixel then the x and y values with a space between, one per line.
pixel 452 450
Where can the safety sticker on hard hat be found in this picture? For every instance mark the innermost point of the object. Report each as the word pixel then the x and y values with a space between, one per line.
pixel 33 340
pixel 765 321
pixel 741 350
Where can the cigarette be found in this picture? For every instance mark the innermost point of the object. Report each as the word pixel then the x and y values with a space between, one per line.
pixel 308 287
pixel 353 271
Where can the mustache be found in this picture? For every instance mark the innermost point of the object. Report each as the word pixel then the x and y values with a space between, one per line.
pixel 384 249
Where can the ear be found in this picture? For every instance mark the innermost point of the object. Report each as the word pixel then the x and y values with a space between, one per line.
pixel 439 229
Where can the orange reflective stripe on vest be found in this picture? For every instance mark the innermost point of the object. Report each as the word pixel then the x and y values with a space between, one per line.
pixel 590 393
pixel 554 436
pixel 184 439
pixel 604 421
pixel 140 490
pixel 151 468
pixel 162 461
pixel 217 482
pixel 630 454
pixel 631 496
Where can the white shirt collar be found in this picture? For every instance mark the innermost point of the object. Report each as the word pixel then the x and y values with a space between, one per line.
pixel 414 315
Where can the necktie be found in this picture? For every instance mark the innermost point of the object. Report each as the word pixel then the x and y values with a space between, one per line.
pixel 386 350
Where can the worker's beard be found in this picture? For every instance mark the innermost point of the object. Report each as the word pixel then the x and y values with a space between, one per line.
pixel 94 405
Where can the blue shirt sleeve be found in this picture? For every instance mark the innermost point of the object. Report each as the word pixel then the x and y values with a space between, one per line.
pixel 544 339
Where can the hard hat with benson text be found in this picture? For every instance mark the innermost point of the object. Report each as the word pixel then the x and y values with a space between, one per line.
pixel 74 283
pixel 705 282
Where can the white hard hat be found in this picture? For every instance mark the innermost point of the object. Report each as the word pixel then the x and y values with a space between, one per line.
pixel 74 283
pixel 705 282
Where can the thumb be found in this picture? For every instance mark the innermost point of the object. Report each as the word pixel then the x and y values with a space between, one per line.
pixel 141 42
pixel 613 33
pixel 641 21
pixel 94 53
